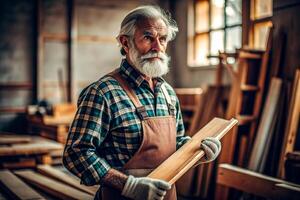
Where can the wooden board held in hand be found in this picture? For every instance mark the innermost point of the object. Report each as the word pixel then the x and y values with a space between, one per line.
pixel 188 155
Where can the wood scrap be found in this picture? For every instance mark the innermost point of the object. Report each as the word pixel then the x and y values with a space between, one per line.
pixel 50 186
pixel 256 183
pixel 187 156
pixel 16 188
pixel 51 172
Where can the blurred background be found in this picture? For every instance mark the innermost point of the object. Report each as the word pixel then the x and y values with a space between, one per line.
pixel 231 59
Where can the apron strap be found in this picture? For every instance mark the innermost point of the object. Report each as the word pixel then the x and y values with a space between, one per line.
pixel 140 109
pixel 168 98
pixel 129 91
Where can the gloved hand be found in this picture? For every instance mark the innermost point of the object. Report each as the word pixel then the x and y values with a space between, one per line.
pixel 145 188
pixel 211 147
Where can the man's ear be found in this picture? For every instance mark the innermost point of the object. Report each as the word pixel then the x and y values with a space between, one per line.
pixel 124 40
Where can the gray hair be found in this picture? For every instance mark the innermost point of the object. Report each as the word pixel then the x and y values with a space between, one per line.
pixel 128 24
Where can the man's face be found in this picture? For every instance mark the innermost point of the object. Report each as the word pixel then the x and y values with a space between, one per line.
pixel 147 49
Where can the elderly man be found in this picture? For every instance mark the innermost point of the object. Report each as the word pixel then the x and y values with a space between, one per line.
pixel 129 121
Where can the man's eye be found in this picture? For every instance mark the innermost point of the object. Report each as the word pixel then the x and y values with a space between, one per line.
pixel 147 37
pixel 163 39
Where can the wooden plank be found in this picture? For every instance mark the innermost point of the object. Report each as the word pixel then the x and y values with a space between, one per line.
pixel 265 130
pixel 16 188
pixel 58 120
pixel 57 189
pixel 255 183
pixel 13 139
pixel 292 124
pixel 51 172
pixel 21 163
pixel 37 146
pixel 25 149
pixel 187 156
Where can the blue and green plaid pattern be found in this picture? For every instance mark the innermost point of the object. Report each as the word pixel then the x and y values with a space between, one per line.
pixel 106 130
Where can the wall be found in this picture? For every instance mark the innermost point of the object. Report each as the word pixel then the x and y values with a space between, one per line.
pixel 17 55
pixel 286 15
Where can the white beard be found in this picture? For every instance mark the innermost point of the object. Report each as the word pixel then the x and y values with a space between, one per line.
pixel 151 68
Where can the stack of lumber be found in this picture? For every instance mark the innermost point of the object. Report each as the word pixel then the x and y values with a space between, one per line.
pixel 53 126
pixel 20 151
pixel 47 183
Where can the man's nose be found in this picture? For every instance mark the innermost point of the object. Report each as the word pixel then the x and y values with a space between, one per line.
pixel 156 45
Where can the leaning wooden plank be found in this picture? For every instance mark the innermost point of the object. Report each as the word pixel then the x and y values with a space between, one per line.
pixel 57 189
pixel 255 183
pixel 292 124
pixel 187 156
pixel 16 188
pixel 266 126
pixel 51 172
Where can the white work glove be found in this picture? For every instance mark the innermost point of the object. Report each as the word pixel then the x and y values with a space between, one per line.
pixel 211 147
pixel 145 188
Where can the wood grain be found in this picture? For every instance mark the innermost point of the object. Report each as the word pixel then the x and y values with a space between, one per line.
pixel 16 188
pixel 256 183
pixel 57 189
pixel 187 156
pixel 265 130
pixel 49 171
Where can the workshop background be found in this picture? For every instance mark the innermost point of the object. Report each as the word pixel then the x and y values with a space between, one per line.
pixel 231 59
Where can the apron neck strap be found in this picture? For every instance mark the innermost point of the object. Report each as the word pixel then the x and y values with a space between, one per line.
pixel 129 91
pixel 168 98
pixel 135 100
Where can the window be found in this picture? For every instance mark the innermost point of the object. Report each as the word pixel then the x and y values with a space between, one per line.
pixel 261 13
pixel 217 26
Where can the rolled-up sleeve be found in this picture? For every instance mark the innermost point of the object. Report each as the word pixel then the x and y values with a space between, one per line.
pixel 87 132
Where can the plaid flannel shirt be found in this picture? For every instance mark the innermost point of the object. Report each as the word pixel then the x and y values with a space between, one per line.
pixel 106 130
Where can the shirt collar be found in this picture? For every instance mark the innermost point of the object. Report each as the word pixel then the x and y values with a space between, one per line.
pixel 134 75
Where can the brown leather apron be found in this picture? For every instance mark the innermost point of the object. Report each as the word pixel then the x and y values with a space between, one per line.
pixel 159 142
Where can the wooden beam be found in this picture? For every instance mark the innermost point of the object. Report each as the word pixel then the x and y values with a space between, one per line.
pixel 51 172
pixel 187 156
pixel 256 183
pixel 57 189
pixel 16 188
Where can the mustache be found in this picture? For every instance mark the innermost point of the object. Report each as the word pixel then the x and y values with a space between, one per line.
pixel 150 55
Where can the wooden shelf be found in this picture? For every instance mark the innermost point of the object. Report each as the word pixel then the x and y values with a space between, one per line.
pixel 54 37
pixel 16 86
pixel 247 55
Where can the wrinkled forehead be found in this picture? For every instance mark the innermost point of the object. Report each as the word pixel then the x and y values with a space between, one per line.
pixel 154 26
